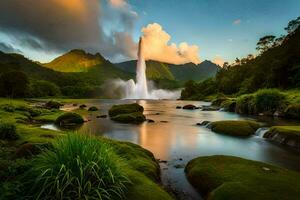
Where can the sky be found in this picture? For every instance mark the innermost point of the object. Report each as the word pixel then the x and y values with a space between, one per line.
pixel 173 31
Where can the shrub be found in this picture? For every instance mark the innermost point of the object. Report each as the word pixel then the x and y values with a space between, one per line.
pixel 53 104
pixel 229 105
pixel 78 167
pixel 43 88
pixel 245 104
pixel 93 108
pixel 68 119
pixel 8 107
pixel 8 131
pixel 269 100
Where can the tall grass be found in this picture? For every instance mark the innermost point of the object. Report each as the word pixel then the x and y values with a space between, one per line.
pixel 78 167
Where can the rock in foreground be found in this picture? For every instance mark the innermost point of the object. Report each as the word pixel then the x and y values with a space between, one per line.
pixel 227 177
pixel 69 119
pixel 235 127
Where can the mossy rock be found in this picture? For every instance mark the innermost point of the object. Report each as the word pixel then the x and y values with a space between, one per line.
pixel 228 177
pixel 53 104
pixel 292 111
pixel 125 109
pixel 8 131
pixel 69 119
pixel 235 127
pixel 135 118
pixel 82 106
pixel 285 135
pixel 93 108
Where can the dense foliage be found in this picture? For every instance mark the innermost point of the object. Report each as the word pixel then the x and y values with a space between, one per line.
pixel 276 66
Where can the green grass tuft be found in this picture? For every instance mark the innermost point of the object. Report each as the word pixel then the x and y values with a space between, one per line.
pixel 78 167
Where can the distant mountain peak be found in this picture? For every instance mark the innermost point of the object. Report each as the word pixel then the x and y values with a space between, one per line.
pixel 76 60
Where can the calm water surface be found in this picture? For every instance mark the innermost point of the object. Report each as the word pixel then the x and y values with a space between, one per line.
pixel 175 138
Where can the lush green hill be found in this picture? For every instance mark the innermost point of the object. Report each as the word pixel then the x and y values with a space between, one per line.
pixel 76 61
pixel 159 71
pixel 79 84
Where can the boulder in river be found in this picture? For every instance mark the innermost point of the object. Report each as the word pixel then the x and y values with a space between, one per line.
pixel 178 107
pixel 203 123
pixel 189 107
pixel 285 135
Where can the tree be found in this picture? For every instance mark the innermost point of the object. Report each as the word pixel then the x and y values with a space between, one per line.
pixel 293 25
pixel 13 84
pixel 265 43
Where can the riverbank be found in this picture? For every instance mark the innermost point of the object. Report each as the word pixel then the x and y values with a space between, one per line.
pixel 22 141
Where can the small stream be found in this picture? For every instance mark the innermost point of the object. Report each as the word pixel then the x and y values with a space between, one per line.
pixel 174 138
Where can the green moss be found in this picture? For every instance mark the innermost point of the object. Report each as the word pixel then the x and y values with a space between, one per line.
pixel 235 128
pixel 144 188
pixel 137 157
pixel 125 109
pixel 227 177
pixel 127 113
pixel 285 130
pixel 8 131
pixel 68 119
pixel 135 118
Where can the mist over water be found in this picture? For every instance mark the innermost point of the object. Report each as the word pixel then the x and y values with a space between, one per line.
pixel 142 89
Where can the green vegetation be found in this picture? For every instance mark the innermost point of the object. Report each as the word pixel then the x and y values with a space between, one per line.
pixel 78 167
pixel 69 119
pixel 172 76
pixel 53 104
pixel 227 177
pixel 286 130
pixel 235 128
pixel 82 83
pixel 8 131
pixel 66 157
pixel 251 79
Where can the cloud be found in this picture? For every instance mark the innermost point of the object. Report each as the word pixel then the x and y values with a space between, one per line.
pixel 118 3
pixel 8 48
pixel 157 47
pixel 61 25
pixel 218 60
pixel 237 22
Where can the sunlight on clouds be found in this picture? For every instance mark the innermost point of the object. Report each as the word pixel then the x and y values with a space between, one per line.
pixel 218 60
pixel 157 47
pixel 118 3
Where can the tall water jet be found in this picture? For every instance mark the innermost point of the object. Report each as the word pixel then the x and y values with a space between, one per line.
pixel 139 89
pixel 141 80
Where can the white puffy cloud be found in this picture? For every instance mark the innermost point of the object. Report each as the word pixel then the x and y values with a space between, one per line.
pixel 157 47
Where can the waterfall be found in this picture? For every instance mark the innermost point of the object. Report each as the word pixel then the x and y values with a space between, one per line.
pixel 261 131
pixel 141 81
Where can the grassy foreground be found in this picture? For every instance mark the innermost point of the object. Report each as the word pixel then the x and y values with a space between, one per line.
pixel 227 177
pixel 30 151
